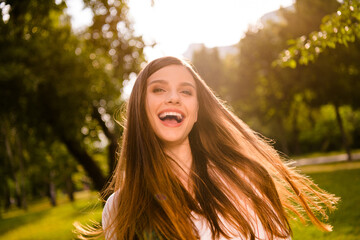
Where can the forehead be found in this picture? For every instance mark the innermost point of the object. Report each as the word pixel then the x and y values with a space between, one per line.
pixel 172 74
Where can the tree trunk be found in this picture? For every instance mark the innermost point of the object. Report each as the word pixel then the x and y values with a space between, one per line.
pixel 12 168
pixel 112 138
pixel 52 189
pixel 282 136
pixel 7 202
pixel 74 146
pixel 22 173
pixel 86 161
pixel 70 188
pixel 343 134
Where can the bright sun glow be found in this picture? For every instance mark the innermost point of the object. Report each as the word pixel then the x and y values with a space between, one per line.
pixel 175 24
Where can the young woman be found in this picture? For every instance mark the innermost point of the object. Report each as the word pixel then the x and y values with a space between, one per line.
pixel 190 169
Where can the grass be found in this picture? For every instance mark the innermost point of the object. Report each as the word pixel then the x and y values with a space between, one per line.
pixel 42 221
pixel 330 167
pixel 346 219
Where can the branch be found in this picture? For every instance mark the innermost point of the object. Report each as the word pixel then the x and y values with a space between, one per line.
pixel 341 27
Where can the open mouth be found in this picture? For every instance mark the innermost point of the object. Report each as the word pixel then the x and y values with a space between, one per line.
pixel 171 117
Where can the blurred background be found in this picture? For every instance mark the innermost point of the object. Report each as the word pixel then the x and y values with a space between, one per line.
pixel 289 69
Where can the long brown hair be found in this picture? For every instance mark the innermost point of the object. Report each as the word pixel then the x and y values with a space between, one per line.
pixel 235 172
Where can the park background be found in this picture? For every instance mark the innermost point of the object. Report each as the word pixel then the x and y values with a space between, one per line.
pixel 294 78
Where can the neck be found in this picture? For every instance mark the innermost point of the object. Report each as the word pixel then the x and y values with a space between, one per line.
pixel 181 154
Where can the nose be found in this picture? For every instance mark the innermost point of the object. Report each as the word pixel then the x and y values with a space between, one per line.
pixel 173 98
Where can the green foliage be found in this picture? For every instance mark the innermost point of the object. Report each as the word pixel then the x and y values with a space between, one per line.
pixel 318 128
pixel 341 28
pixel 284 103
pixel 46 80
pixel 58 93
pixel 333 75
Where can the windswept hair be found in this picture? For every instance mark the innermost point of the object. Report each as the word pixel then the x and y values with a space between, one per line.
pixel 235 174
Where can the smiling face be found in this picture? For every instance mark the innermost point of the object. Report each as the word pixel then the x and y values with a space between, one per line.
pixel 171 103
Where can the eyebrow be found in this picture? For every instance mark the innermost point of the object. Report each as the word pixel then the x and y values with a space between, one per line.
pixel 166 82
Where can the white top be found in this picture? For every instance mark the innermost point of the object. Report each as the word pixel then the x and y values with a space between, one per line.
pixel 199 221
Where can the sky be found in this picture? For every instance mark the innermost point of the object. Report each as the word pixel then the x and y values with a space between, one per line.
pixel 175 24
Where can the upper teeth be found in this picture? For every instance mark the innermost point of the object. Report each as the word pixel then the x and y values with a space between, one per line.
pixel 164 114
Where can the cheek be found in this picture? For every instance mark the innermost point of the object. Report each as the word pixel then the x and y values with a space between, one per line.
pixel 149 104
pixel 150 116
pixel 148 110
pixel 152 104
pixel 195 110
pixel 196 114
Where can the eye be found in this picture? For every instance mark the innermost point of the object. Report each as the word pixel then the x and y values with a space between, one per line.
pixel 187 92
pixel 158 90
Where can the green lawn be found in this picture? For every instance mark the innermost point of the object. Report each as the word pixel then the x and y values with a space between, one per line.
pixel 346 219
pixel 44 222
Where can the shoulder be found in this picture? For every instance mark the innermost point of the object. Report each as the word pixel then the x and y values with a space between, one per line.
pixel 109 210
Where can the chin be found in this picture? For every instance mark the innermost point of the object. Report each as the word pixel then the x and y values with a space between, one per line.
pixel 168 140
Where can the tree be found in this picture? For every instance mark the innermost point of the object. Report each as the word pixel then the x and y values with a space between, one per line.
pixel 341 27
pixel 332 57
pixel 210 66
pixel 266 96
pixel 113 47
pixel 64 87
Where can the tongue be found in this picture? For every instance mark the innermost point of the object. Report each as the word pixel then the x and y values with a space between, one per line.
pixel 170 121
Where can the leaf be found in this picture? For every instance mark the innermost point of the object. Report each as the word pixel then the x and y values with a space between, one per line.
pixel 292 63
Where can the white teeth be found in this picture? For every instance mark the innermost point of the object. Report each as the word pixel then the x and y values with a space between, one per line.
pixel 165 114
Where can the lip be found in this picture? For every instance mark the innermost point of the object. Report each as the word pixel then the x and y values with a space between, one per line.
pixel 172 124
